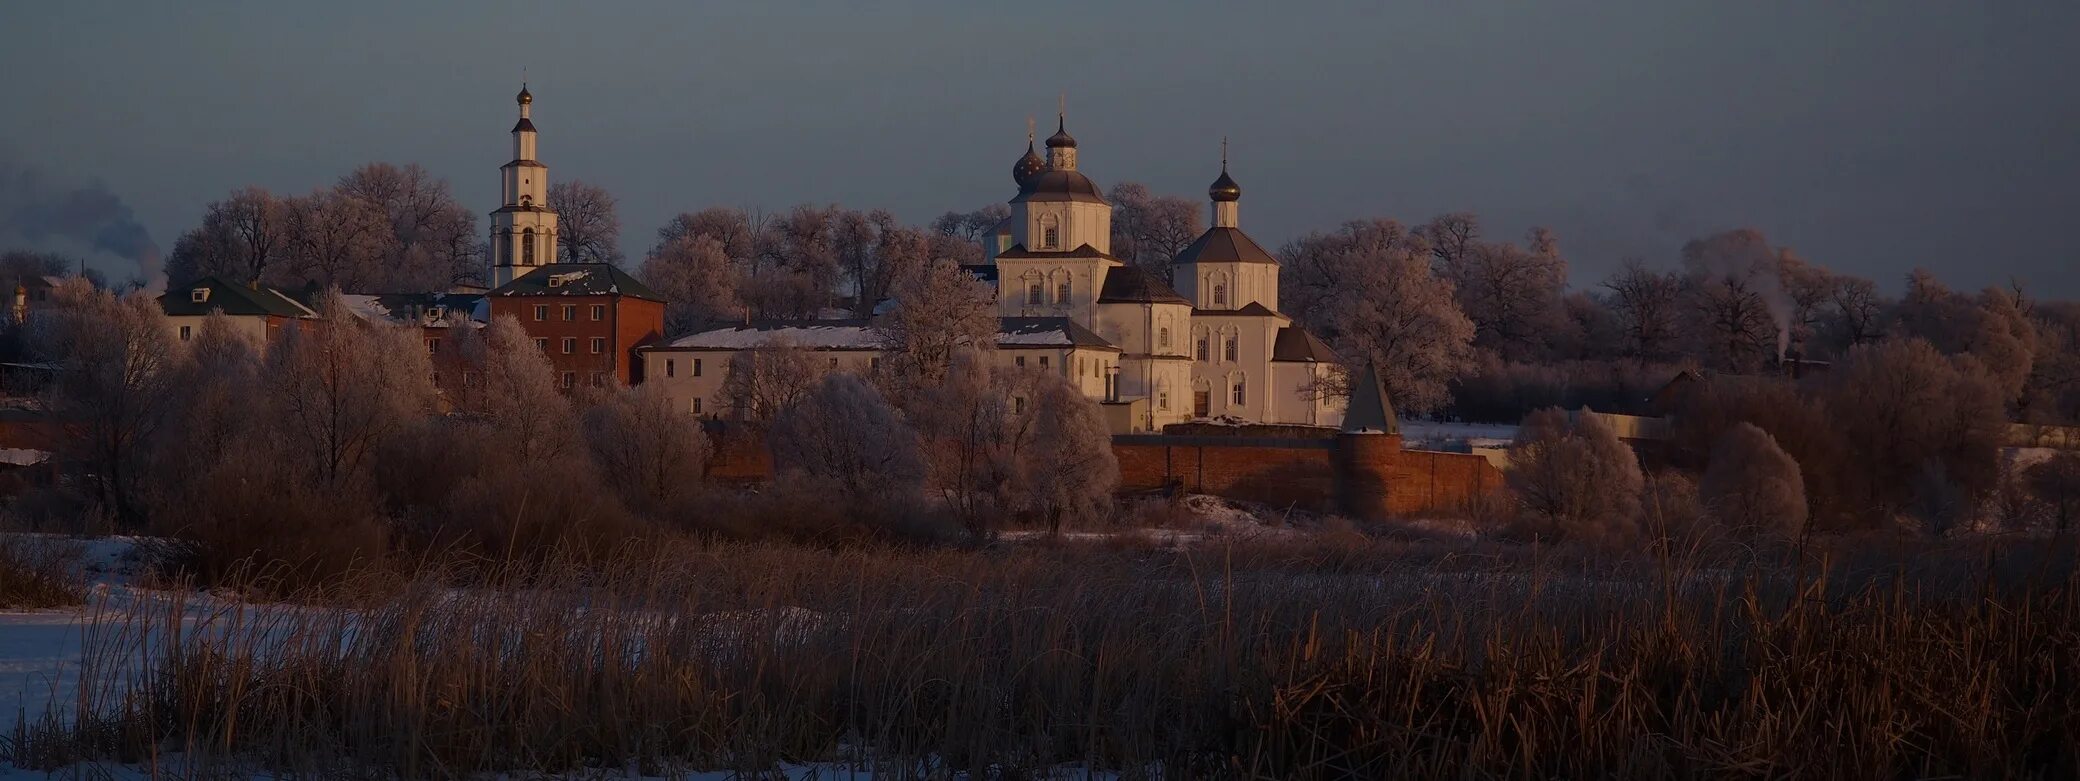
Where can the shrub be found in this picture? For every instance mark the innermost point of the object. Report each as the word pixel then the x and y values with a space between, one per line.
pixel 1574 479
pixel 1753 488
pixel 38 571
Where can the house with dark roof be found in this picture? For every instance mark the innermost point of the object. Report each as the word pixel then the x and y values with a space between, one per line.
pixel 589 318
pixel 262 313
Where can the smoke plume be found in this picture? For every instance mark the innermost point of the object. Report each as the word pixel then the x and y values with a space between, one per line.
pixel 38 211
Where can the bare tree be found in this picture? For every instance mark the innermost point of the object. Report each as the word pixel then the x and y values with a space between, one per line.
pixel 1511 295
pixel 648 450
pixel 431 241
pixel 1452 239
pixel 769 378
pixel 1369 291
pixel 1855 312
pixel 974 434
pixel 1647 304
pixel 333 241
pixel 339 389
pixel 694 272
pixel 1808 289
pixel 1740 312
pixel 845 433
pixel 939 310
pixel 1753 487
pixel 112 387
pixel 588 227
pixel 1905 411
pixel 2056 481
pixel 1149 230
pixel 1574 479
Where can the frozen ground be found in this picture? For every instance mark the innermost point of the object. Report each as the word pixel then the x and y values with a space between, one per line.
pixel 1432 434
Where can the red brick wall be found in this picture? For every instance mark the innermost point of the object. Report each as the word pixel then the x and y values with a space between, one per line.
pixel 1300 473
pixel 628 323
pixel 1420 481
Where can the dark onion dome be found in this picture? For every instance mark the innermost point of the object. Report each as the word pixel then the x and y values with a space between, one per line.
pixel 1027 167
pixel 1061 137
pixel 1059 185
pixel 1224 189
pixel 525 97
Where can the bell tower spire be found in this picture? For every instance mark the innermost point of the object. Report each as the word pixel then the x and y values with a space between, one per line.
pixel 523 229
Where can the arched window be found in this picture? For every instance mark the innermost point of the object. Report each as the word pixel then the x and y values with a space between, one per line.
pixel 1061 293
pixel 1036 294
pixel 527 247
pixel 1228 349
pixel 526 200
pixel 1163 338
pixel 1220 295
pixel 505 249
pixel 1201 354
pixel 1050 233
pixel 1240 397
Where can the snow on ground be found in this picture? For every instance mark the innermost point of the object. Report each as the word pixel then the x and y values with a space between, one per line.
pixel 1434 434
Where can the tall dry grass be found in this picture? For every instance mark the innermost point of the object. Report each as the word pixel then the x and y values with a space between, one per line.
pixel 1267 661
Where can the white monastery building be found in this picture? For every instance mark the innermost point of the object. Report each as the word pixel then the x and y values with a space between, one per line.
pixel 1214 348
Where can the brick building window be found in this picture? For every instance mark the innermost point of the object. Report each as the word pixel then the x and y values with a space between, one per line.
pixel 570 312
pixel 541 312
pixel 541 344
pixel 570 345
pixel 436 379
pixel 671 368
pixel 187 332
pixel 570 379
pixel 696 406
pixel 599 345
pixel 599 379
pixel 599 312
pixel 1018 405
pixel 433 346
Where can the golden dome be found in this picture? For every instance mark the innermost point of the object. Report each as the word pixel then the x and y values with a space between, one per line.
pixel 525 96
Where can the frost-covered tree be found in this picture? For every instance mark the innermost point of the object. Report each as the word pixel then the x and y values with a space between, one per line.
pixel 588 226
pixel 844 433
pixel 1738 311
pixel 113 387
pixel 694 272
pixel 339 389
pixel 769 378
pixel 1753 487
pixel 1368 290
pixel 939 310
pixel 513 395
pixel 430 240
pixel 1648 307
pixel 1070 470
pixel 1904 411
pixel 1511 294
pixel 1574 479
pixel 974 434
pixel 645 447
pixel 2056 482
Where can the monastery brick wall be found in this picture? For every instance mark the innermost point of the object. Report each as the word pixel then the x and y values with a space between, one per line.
pixel 1363 475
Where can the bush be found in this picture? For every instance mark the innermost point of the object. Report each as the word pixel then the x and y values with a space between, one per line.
pixel 1753 488
pixel 38 571
pixel 1574 479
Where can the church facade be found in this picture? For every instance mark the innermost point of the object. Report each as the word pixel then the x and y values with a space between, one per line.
pixel 1213 348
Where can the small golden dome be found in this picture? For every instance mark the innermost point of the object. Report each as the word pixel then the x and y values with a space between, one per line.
pixel 525 96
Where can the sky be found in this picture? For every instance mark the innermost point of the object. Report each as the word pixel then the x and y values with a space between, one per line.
pixel 1871 137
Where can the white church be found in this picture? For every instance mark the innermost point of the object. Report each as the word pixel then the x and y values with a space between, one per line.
pixel 1216 348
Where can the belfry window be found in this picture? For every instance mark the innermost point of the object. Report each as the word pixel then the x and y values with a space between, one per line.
pixel 1220 295
pixel 505 249
pixel 1050 233
pixel 1163 338
pixel 527 247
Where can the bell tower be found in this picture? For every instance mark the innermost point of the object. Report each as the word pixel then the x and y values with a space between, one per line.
pixel 523 229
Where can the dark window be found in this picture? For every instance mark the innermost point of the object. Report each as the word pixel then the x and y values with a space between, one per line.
pixel 433 346
pixel 599 345
pixel 696 367
pixel 570 379
pixel 541 312
pixel 527 247
pixel 1228 350
pixel 187 332
pixel 570 345
pixel 1020 361
pixel 570 312
pixel 599 312
pixel 541 344
pixel 1061 293
pixel 1035 295
pixel 671 368
pixel 696 406
pixel 1202 349
pixel 1238 393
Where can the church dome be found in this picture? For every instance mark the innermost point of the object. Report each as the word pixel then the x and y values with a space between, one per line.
pixel 1061 137
pixel 1224 189
pixel 1059 185
pixel 525 97
pixel 1027 167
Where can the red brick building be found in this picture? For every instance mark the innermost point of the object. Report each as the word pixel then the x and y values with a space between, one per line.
pixel 589 318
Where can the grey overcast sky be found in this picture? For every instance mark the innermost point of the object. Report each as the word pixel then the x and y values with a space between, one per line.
pixel 1870 136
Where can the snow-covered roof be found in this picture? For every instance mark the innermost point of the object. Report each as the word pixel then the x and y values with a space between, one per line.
pixel 1012 332
pixel 15 456
pixel 806 334
pixel 432 310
